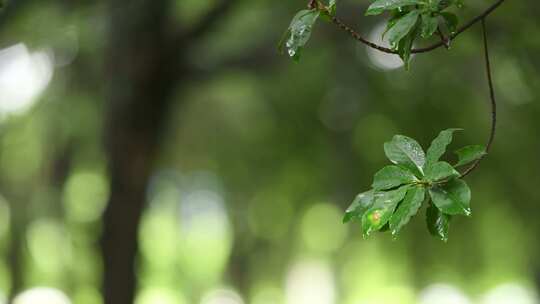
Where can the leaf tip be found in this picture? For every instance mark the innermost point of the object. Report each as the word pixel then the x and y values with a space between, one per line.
pixel 367 233
pixel 346 218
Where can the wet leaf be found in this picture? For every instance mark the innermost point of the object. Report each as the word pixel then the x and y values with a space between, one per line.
pixel 299 32
pixel 328 12
pixel 396 15
pixel 429 25
pixel 405 49
pixel 403 26
pixel 434 5
pixel 452 198
pixel 392 176
pixel 444 4
pixel 408 208
pixel 381 211
pixel 440 171
pixel 469 154
pixel 438 146
pixel 406 152
pixel 360 205
pixel 380 6
pixel 458 3
pixel 385 228
pixel 438 223
pixel 451 21
pixel 332 7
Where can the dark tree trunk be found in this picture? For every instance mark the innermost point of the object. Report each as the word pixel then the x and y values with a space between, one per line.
pixel 145 62
pixel 15 259
pixel 141 76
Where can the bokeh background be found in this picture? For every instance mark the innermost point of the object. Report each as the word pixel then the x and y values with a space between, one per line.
pixel 163 152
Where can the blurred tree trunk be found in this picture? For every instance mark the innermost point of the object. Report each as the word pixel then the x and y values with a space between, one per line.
pixel 141 80
pixel 144 63
pixel 18 222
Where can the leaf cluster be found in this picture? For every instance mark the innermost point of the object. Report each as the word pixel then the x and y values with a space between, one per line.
pixel 416 177
pixel 411 19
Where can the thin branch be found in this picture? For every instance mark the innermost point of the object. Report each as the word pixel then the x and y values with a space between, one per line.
pixel 443 38
pixel 492 99
pixel 359 37
pixel 381 48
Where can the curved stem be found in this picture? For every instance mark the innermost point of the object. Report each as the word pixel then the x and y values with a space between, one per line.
pixel 381 48
pixel 482 18
pixel 492 99
pixel 359 37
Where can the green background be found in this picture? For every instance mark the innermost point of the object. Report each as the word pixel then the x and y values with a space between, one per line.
pixel 261 156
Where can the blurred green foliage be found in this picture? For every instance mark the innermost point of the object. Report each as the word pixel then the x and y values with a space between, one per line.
pixel 262 157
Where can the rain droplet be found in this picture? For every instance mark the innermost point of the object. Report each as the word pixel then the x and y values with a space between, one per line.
pixel 292 52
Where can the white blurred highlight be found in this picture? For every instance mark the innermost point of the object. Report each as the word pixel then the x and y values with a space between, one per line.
pixel 24 75
pixel 510 293
pixel 442 294
pixel 310 282
pixel 379 59
pixel 42 295
pixel 222 296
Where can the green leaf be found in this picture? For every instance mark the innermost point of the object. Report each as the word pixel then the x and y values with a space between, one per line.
pixel 434 5
pixel 438 146
pixel 429 25
pixel 440 171
pixel 403 26
pixel 396 15
pixel 380 6
pixel 407 209
pixel 406 152
pixel 405 48
pixel 451 21
pixel 360 205
pixel 332 7
pixel 444 4
pixel 458 3
pixel 392 176
pixel 469 154
pixel 385 228
pixel 284 37
pixel 381 211
pixel 438 223
pixel 328 12
pixel 452 198
pixel 299 32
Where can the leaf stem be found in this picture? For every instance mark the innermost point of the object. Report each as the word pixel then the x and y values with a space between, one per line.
pixel 445 40
pixel 493 101
pixel 354 34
